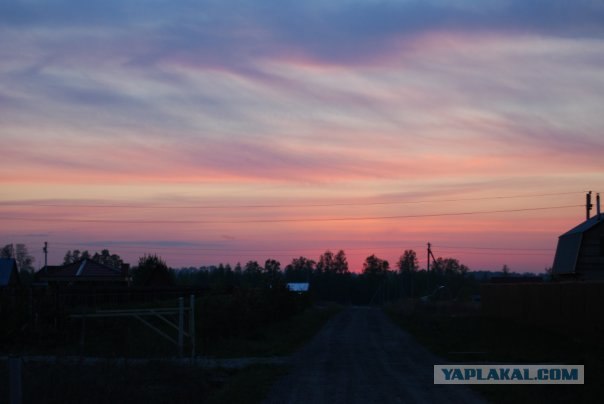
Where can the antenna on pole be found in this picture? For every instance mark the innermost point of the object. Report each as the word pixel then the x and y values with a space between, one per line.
pixel 588 205
pixel 598 206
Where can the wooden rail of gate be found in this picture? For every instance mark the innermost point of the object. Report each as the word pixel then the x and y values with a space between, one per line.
pixel 161 314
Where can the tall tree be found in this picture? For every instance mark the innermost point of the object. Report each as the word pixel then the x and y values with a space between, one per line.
pixel 375 266
pixel 20 253
pixel 152 271
pixel 8 251
pixel 408 263
pixel 300 269
pixel 326 262
pixel 252 268
pixel 450 266
pixel 340 263
pixel 106 258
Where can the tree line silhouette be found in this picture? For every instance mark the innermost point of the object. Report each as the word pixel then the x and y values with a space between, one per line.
pixel 329 276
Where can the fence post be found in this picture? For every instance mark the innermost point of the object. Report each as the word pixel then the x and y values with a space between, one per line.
pixel 181 320
pixel 192 325
pixel 15 380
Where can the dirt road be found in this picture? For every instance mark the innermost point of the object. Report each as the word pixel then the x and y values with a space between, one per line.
pixel 360 356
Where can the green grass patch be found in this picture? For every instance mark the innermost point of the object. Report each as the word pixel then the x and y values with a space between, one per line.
pixel 469 338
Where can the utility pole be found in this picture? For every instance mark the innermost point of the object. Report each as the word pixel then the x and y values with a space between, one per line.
pixel 588 205
pixel 428 265
pixel 45 256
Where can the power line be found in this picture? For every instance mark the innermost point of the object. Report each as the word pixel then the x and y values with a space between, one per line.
pixel 202 249
pixel 495 248
pixel 274 206
pixel 297 220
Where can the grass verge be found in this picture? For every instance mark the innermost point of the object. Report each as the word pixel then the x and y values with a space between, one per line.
pixel 277 339
pixel 249 385
pixel 470 338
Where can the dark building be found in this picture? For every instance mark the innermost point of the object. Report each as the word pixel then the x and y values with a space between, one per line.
pixel 580 252
pixel 83 273
pixel 9 275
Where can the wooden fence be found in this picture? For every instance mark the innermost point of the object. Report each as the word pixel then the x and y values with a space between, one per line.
pixel 570 307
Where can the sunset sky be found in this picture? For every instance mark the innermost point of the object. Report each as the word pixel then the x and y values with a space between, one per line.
pixel 227 131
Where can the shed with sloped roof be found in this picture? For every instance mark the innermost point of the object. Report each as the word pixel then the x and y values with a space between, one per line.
pixel 580 251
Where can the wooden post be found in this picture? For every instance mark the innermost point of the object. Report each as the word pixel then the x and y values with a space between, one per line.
pixel 192 325
pixel 181 320
pixel 15 380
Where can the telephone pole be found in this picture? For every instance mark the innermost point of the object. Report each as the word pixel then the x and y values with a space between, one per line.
pixel 428 265
pixel 588 205
pixel 45 249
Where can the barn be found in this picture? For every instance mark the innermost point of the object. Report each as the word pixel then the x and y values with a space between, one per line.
pixel 580 251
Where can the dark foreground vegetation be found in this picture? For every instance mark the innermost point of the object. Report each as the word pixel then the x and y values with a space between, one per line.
pixel 458 333
pixel 63 379
pixel 155 382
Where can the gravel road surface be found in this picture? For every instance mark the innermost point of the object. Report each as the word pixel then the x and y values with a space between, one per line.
pixel 360 356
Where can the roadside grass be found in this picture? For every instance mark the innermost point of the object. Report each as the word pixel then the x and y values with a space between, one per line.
pixel 248 385
pixel 466 337
pixel 277 339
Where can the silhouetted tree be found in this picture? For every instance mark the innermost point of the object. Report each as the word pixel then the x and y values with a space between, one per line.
pixel 20 253
pixel 300 269
pixel 252 274
pixel 272 269
pixel 326 262
pixel 106 258
pixel 75 256
pixel 449 266
pixel 375 266
pixel 505 270
pixel 7 251
pixel 152 271
pixel 407 263
pixel 340 263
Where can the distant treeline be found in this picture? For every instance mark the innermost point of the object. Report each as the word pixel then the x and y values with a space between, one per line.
pixel 330 279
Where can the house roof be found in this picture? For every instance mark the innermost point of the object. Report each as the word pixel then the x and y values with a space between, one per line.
pixel 569 245
pixel 8 270
pixel 84 270
pixel 585 226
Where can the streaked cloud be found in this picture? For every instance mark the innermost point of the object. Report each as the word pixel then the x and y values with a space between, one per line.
pixel 279 100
